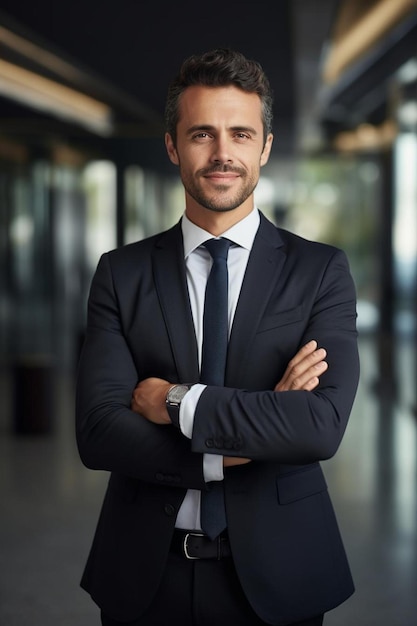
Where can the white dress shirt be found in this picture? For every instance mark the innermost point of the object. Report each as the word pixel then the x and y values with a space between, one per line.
pixel 198 263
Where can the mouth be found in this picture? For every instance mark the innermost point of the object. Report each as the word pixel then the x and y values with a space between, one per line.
pixel 221 177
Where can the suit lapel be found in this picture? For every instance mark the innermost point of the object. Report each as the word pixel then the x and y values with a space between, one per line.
pixel 171 286
pixel 265 263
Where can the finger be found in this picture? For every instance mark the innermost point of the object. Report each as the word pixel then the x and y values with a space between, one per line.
pixel 305 358
pixel 297 376
pixel 311 384
pixel 306 350
pixel 304 379
pixel 310 360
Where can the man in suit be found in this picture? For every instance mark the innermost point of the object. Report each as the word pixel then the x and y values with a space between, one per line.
pixel 171 437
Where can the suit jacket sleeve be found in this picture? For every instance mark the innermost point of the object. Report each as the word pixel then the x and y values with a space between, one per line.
pixel 109 435
pixel 294 426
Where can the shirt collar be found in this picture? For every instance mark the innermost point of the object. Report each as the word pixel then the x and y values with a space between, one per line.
pixel 242 234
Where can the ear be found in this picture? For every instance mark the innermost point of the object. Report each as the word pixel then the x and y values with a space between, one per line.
pixel 172 152
pixel 267 149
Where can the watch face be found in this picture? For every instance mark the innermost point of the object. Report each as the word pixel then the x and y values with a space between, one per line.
pixel 177 393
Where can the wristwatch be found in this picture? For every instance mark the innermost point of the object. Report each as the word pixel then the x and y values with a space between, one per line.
pixel 173 401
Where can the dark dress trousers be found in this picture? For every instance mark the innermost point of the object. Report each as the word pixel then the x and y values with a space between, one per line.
pixel 284 536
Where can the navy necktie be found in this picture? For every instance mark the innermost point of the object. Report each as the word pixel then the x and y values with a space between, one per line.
pixel 213 365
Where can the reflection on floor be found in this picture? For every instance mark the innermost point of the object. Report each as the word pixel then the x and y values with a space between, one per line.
pixel 49 506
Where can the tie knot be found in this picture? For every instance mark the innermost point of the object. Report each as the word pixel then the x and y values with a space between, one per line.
pixel 218 248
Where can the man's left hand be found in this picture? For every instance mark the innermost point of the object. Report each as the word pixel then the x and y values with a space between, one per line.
pixel 149 400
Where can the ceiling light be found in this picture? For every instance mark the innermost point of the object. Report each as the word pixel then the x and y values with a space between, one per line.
pixel 48 96
pixel 365 33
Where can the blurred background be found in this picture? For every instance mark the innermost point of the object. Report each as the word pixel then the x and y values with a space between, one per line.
pixel 83 169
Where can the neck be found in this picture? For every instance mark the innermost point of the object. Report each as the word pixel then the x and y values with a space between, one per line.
pixel 217 222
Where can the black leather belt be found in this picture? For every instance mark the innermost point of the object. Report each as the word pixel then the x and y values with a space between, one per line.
pixel 194 545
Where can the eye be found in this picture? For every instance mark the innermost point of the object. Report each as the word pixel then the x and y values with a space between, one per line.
pixel 242 136
pixel 201 136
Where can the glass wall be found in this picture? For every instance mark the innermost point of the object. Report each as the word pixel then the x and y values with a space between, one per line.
pixel 335 200
pixel 56 220
pixel 42 212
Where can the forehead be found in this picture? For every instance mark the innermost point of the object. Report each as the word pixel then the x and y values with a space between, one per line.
pixel 217 105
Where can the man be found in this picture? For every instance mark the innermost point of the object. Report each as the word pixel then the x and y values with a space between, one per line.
pixel 149 412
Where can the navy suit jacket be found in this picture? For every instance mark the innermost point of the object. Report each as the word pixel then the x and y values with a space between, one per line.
pixel 284 536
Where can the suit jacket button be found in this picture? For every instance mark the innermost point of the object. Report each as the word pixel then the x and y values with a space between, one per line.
pixel 169 510
pixel 209 443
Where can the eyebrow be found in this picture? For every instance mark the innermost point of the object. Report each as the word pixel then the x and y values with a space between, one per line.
pixel 209 128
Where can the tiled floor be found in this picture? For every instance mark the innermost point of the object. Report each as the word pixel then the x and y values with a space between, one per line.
pixel 373 481
pixel 49 505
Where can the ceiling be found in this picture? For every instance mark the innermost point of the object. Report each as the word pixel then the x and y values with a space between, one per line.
pixel 127 52
pixel 124 53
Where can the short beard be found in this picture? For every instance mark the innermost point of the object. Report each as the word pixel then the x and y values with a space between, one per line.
pixel 214 203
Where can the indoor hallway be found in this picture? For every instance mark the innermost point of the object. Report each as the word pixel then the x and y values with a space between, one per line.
pixel 50 502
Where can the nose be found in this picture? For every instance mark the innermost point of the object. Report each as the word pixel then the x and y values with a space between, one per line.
pixel 221 150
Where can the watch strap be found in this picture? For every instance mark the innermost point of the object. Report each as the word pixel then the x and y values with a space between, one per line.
pixel 173 407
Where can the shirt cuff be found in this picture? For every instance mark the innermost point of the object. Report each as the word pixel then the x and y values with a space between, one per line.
pixel 212 463
pixel 188 407
pixel 212 467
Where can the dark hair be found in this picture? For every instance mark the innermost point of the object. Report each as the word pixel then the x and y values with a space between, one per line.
pixel 219 68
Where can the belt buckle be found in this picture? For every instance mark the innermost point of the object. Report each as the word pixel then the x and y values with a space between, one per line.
pixel 184 545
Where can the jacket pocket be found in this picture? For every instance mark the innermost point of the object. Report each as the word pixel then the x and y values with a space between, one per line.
pixel 300 484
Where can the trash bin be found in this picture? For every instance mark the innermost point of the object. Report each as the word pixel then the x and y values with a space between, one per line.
pixel 33 395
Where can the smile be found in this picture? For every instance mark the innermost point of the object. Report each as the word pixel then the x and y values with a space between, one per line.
pixel 217 177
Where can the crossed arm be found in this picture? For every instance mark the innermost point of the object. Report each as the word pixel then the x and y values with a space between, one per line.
pixel 302 373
